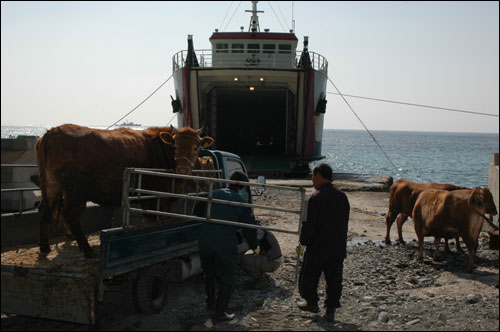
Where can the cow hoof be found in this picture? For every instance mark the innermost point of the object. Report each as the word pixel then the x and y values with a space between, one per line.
pixel 43 254
pixel 44 250
pixel 90 254
pixel 387 241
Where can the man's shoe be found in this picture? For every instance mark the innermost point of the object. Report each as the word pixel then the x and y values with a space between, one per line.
pixel 223 317
pixel 330 314
pixel 306 306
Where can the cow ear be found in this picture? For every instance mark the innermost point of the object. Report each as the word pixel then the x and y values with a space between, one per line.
pixel 167 138
pixel 476 197
pixel 206 141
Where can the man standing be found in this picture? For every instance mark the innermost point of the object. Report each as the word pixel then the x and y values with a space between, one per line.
pixel 219 246
pixel 325 235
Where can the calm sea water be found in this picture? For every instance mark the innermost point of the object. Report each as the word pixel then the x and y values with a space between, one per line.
pixel 457 158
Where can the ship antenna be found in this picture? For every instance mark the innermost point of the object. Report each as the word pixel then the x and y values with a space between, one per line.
pixel 254 20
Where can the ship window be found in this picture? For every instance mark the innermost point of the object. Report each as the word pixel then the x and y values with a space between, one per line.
pixel 221 48
pixel 268 48
pixel 253 48
pixel 285 48
pixel 238 48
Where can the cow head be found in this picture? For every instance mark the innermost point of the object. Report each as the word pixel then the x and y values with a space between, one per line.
pixel 187 144
pixel 482 199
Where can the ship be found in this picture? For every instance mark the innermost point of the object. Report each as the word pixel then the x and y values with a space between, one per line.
pixel 129 124
pixel 256 95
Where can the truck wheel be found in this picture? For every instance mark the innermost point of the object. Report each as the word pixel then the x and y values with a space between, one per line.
pixel 149 291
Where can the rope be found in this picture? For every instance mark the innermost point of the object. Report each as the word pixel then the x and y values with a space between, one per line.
pixel 418 105
pixel 398 171
pixel 142 102
pixel 225 16
pixel 171 119
pixel 232 16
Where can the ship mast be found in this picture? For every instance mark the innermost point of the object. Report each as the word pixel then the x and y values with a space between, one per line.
pixel 254 20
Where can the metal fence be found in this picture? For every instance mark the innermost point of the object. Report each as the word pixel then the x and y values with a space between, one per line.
pixel 208 59
pixel 134 187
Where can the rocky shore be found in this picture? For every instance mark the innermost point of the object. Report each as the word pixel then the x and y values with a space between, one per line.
pixel 384 287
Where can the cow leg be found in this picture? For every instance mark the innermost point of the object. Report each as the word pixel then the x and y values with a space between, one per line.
pixel 457 243
pixel 446 246
pixel 51 196
pixel 420 236
pixel 389 220
pixel 437 241
pixel 44 228
pixel 72 213
pixel 399 223
pixel 471 248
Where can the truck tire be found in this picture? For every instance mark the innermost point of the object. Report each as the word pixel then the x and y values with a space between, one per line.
pixel 149 290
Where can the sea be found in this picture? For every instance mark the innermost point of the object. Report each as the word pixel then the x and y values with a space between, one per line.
pixel 458 158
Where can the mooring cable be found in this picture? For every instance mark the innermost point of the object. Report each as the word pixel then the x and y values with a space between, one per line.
pixel 418 105
pixel 398 170
pixel 142 102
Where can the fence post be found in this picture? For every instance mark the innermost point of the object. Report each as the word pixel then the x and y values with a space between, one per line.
pixel 210 197
pixel 302 218
pixel 125 200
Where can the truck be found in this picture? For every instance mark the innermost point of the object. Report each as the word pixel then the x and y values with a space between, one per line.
pixel 66 286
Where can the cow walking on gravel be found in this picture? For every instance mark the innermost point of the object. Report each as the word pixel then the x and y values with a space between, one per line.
pixel 441 213
pixel 402 197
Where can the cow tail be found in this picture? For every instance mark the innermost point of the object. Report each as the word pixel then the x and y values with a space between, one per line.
pixel 41 147
pixel 40 161
pixel 473 208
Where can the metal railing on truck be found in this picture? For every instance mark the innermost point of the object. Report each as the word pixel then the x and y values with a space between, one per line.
pixel 128 188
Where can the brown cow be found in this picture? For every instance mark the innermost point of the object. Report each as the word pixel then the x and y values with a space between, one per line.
pixel 205 164
pixel 402 197
pixel 442 213
pixel 78 164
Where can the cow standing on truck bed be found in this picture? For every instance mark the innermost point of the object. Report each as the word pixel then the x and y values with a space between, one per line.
pixel 78 164
pixel 441 213
pixel 402 197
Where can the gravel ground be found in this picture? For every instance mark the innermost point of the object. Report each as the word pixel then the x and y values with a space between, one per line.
pixel 384 287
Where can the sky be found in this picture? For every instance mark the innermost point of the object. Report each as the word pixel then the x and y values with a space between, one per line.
pixel 90 63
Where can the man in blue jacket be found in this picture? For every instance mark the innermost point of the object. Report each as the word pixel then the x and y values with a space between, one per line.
pixel 219 246
pixel 325 235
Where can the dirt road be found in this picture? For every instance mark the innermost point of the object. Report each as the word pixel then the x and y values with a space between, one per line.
pixel 384 287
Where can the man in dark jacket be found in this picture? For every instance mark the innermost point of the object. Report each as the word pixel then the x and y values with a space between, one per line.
pixel 325 236
pixel 219 246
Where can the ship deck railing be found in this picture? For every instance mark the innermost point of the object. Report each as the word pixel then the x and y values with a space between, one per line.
pixel 225 59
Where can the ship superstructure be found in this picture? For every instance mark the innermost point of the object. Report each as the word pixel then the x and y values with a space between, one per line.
pixel 256 95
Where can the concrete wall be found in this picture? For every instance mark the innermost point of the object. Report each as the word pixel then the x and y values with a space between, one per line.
pixel 493 182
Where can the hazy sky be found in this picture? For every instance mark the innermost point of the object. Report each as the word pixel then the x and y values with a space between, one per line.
pixel 90 63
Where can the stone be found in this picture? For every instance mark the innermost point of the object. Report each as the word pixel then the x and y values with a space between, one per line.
pixel 413 322
pixel 473 298
pixel 383 317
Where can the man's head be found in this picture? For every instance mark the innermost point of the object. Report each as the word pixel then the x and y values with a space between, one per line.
pixel 322 173
pixel 238 176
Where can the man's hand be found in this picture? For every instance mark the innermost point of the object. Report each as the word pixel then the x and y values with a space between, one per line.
pixel 300 250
